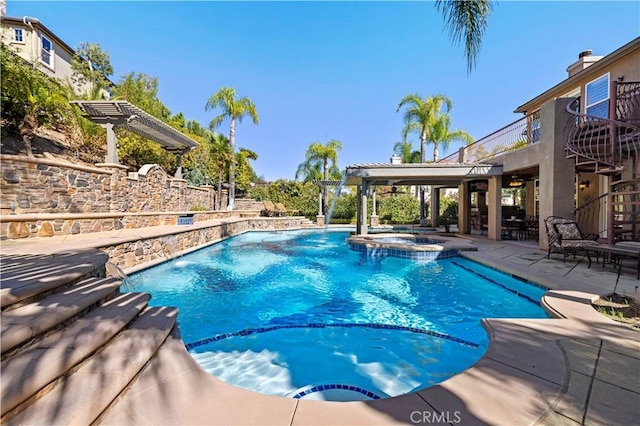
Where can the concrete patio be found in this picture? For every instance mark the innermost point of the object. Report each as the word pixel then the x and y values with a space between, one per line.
pixel 580 368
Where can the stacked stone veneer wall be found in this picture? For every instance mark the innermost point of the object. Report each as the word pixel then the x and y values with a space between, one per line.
pixel 134 253
pixel 65 198
pixel 249 204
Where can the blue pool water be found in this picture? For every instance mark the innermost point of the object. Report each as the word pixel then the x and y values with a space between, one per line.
pixel 299 314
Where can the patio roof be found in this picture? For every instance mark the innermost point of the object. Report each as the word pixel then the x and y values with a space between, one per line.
pixel 122 114
pixel 419 174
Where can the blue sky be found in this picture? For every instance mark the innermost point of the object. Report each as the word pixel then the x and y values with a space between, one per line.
pixel 336 70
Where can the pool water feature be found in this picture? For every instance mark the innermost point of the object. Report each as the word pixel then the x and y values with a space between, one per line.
pixel 299 314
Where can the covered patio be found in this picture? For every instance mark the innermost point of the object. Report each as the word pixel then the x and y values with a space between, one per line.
pixel 366 177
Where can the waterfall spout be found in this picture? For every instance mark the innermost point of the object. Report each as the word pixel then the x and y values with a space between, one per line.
pixel 114 271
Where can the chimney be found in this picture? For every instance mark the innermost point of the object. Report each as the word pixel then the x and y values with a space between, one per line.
pixel 585 59
pixel 396 159
pixel 3 7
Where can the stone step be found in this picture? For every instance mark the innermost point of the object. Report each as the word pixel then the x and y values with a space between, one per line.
pixel 30 371
pixel 21 325
pixel 81 397
pixel 25 277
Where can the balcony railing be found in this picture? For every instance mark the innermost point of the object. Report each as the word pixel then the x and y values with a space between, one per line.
pixel 512 137
pixel 627 102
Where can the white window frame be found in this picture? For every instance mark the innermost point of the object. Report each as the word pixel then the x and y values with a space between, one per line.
pixel 586 93
pixel 51 51
pixel 15 35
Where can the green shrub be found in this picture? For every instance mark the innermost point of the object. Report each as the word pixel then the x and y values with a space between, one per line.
pixel 345 208
pixel 403 208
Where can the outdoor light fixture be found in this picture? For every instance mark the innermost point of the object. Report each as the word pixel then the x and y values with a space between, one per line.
pixel 516 182
pixel 583 185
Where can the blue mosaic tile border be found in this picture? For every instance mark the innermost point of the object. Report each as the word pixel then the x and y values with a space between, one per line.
pixel 403 254
pixel 336 386
pixel 249 331
pixel 519 278
pixel 517 293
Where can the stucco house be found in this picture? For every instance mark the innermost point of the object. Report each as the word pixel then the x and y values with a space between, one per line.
pixel 575 154
pixel 37 44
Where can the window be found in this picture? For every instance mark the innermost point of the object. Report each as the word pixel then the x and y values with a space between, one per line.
pixel 597 97
pixel 18 35
pixel 46 54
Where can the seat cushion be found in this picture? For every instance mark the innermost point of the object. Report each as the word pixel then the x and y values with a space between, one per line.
pixel 568 231
pixel 576 243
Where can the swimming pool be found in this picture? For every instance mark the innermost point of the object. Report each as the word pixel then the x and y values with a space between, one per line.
pixel 299 314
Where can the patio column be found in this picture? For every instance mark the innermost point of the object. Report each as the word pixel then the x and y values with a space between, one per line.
pixel 363 206
pixel 358 209
pixel 375 220
pixel 320 216
pixel 494 220
pixel 557 177
pixel 464 208
pixel 178 174
pixel 434 208
pixel 112 145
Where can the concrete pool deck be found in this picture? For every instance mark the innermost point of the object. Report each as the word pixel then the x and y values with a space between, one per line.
pixel 581 368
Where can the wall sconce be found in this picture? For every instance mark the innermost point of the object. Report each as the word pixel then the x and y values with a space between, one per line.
pixel 583 185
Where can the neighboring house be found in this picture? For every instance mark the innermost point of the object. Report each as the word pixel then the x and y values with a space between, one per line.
pixel 575 153
pixel 40 46
pixel 37 44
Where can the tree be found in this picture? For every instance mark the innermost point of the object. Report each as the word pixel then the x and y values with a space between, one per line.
pixel 408 155
pixel 466 20
pixel 221 154
pixel 30 99
pixel 244 171
pixel 442 136
pixel 319 154
pixel 309 171
pixel 405 151
pixel 91 67
pixel 235 110
pixel 420 116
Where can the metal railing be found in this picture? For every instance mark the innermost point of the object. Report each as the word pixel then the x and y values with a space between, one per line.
pixel 599 141
pixel 624 197
pixel 627 101
pixel 512 137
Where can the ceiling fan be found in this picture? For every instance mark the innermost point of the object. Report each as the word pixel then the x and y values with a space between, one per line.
pixel 392 190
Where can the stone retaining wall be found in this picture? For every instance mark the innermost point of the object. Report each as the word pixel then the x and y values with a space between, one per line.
pixel 130 254
pixel 43 185
pixel 48 225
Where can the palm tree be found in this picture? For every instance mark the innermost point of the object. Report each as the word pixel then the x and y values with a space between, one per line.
pixel 420 116
pixel 236 110
pixel 466 20
pixel 408 155
pixel 405 151
pixel 318 154
pixel 309 171
pixel 442 136
pixel 221 154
